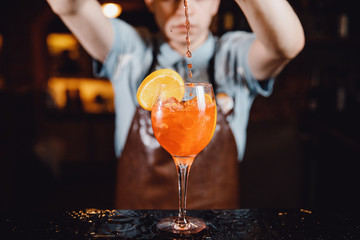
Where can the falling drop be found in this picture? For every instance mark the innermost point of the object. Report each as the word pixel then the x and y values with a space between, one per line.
pixel 188 54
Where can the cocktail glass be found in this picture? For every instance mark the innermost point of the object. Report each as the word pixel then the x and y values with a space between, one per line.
pixel 184 120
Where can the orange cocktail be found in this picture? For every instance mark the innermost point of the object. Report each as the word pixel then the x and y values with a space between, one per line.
pixel 184 128
pixel 183 119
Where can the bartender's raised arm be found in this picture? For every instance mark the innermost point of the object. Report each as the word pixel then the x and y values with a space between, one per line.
pixel 279 35
pixel 86 21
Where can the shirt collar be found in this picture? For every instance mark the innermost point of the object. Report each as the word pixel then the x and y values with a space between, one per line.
pixel 168 57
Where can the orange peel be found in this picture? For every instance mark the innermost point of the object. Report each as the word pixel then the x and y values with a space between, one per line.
pixel 147 91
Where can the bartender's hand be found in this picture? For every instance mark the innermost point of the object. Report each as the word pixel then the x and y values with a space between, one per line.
pixel 85 20
pixel 279 35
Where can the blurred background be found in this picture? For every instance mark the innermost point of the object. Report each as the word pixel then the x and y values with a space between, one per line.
pixel 57 120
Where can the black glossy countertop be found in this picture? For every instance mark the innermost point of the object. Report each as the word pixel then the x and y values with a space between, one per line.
pixel 141 224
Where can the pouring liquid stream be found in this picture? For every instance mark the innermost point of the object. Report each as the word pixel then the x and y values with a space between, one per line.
pixel 187 26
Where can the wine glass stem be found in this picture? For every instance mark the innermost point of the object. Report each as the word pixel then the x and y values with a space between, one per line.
pixel 183 174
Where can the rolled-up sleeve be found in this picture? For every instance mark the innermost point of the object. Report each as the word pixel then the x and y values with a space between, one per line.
pixel 233 56
pixel 127 40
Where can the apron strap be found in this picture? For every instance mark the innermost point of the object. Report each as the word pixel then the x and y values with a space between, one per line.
pixel 155 52
pixel 211 69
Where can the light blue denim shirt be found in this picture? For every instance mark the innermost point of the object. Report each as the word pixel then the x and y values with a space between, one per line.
pixel 131 56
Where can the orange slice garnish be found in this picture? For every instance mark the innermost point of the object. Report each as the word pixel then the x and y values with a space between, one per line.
pixel 208 99
pixel 215 121
pixel 147 91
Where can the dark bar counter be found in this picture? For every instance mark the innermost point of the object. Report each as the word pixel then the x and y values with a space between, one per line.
pixel 141 224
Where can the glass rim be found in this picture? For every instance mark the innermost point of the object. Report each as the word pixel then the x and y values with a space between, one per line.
pixel 188 84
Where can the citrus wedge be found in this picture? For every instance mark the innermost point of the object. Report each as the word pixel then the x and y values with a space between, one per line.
pixel 215 121
pixel 208 99
pixel 147 91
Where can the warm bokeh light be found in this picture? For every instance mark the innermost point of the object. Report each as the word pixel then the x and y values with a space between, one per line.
pixel 111 10
pixel 58 42
pixel 1 42
pixel 89 90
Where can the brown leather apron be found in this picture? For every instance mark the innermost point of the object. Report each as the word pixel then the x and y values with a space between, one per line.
pixel 147 176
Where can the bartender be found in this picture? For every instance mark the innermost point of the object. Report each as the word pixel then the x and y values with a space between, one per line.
pixel 239 64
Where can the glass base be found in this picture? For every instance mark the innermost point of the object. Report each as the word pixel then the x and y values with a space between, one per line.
pixel 193 226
